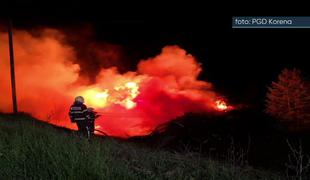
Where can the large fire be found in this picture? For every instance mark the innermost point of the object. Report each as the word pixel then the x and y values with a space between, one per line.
pixel 48 78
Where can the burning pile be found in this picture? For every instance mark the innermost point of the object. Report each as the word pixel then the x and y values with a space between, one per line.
pixel 163 88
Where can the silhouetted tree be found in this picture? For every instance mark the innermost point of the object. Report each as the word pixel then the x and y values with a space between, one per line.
pixel 289 97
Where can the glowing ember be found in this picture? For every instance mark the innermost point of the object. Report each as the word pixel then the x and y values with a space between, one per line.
pixel 221 105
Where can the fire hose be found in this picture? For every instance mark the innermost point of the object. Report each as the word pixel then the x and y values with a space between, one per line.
pixel 103 133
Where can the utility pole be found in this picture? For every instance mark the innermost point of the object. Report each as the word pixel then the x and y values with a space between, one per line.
pixel 10 33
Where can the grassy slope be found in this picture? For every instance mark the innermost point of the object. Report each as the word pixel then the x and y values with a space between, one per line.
pixel 33 150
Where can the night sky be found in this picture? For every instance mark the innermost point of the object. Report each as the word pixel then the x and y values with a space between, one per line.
pixel 239 62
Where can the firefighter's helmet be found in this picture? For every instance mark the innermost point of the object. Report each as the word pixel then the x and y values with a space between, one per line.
pixel 79 99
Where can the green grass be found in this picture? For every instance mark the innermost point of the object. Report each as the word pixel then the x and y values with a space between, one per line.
pixel 30 149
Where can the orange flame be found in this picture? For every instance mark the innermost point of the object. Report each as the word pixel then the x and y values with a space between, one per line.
pixel 221 105
pixel 96 97
pixel 123 95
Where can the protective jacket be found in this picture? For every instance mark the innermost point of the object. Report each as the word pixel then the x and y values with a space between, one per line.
pixel 78 112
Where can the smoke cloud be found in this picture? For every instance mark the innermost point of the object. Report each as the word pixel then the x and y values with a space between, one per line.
pixel 49 73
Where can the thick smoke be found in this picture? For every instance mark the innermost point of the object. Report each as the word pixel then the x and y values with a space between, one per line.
pixel 44 72
pixel 163 88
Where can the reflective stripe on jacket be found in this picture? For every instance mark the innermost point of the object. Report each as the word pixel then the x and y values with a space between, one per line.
pixel 78 112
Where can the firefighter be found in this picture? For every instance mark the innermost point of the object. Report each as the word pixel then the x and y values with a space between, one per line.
pixel 82 116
